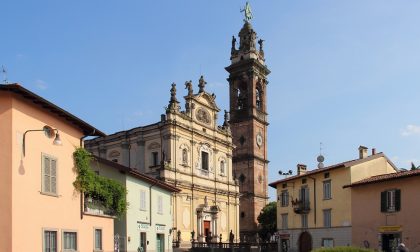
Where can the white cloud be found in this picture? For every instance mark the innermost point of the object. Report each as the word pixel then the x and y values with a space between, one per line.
pixel 40 84
pixel 410 130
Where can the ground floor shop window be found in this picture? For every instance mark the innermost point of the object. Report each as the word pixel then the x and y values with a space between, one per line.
pixel 327 242
pixel 390 241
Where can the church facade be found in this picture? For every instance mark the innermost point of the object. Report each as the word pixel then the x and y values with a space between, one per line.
pixel 221 170
pixel 188 150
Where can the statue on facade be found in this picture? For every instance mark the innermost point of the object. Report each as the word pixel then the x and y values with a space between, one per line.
pixel 188 86
pixel 226 119
pixel 233 49
pixel 201 84
pixel 173 93
pixel 260 42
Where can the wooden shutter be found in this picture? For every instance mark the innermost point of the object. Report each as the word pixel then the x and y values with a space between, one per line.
pixel 47 174
pixel 160 205
pixel 142 200
pixel 397 200
pixel 53 176
pixel 383 202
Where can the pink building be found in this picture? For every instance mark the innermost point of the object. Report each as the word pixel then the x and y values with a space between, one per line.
pixel 385 211
pixel 40 210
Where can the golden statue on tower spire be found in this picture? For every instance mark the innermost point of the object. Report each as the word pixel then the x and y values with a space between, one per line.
pixel 248 12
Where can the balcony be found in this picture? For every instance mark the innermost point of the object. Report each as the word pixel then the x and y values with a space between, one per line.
pixel 96 207
pixel 300 206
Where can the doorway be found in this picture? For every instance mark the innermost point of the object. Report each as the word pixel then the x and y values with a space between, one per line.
pixel 284 245
pixel 160 242
pixel 143 242
pixel 390 242
pixel 206 228
pixel 305 242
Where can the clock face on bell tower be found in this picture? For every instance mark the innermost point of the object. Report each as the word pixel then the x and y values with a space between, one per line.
pixel 248 110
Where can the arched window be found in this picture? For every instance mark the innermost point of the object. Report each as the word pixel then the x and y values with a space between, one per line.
pixel 184 156
pixel 222 167
pixel 258 98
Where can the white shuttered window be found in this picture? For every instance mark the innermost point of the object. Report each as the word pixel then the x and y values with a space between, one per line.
pixel 49 174
pixel 142 200
pixel 160 205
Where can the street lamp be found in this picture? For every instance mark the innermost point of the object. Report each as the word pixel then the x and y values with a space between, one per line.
pixel 48 131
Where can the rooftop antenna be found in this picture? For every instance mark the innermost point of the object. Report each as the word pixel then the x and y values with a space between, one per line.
pixel 4 72
pixel 320 158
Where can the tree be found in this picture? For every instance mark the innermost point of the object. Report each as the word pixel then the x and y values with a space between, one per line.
pixel 268 221
pixel 414 167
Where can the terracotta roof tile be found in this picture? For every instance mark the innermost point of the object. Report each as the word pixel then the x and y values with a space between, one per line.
pixel 385 177
pixel 335 166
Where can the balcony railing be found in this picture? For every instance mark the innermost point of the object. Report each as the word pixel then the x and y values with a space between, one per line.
pixel 96 207
pixel 300 206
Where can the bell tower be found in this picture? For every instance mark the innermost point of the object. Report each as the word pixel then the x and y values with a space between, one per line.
pixel 248 109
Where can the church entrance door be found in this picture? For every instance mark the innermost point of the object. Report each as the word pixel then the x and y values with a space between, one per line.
pixel 206 228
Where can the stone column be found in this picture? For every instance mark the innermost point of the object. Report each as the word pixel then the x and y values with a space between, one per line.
pixel 214 228
pixel 199 226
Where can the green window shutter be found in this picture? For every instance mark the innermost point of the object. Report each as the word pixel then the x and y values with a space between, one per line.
pixel 397 200
pixel 383 202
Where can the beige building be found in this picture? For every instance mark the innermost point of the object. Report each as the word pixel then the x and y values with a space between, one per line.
pixel 147 224
pixel 190 151
pixel 385 211
pixel 40 210
pixel 313 208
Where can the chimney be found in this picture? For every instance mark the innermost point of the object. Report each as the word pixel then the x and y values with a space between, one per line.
pixel 301 169
pixel 373 151
pixel 363 152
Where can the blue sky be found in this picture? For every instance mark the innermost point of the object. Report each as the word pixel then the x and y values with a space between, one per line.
pixel 344 73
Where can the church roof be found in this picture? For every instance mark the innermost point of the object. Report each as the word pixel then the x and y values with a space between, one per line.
pixel 137 174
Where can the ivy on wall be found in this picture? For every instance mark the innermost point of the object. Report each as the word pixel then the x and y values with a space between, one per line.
pixel 109 192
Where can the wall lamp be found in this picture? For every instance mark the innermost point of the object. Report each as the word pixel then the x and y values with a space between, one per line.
pixel 48 131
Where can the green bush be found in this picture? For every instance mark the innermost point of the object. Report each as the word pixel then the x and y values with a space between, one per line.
pixel 343 249
pixel 111 193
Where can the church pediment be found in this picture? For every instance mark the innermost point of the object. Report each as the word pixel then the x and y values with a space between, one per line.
pixel 206 99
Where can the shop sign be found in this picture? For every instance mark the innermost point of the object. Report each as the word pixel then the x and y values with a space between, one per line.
pixel 384 229
pixel 160 228
pixel 143 226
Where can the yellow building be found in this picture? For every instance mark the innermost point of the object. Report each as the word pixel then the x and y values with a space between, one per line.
pixel 188 150
pixel 313 208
